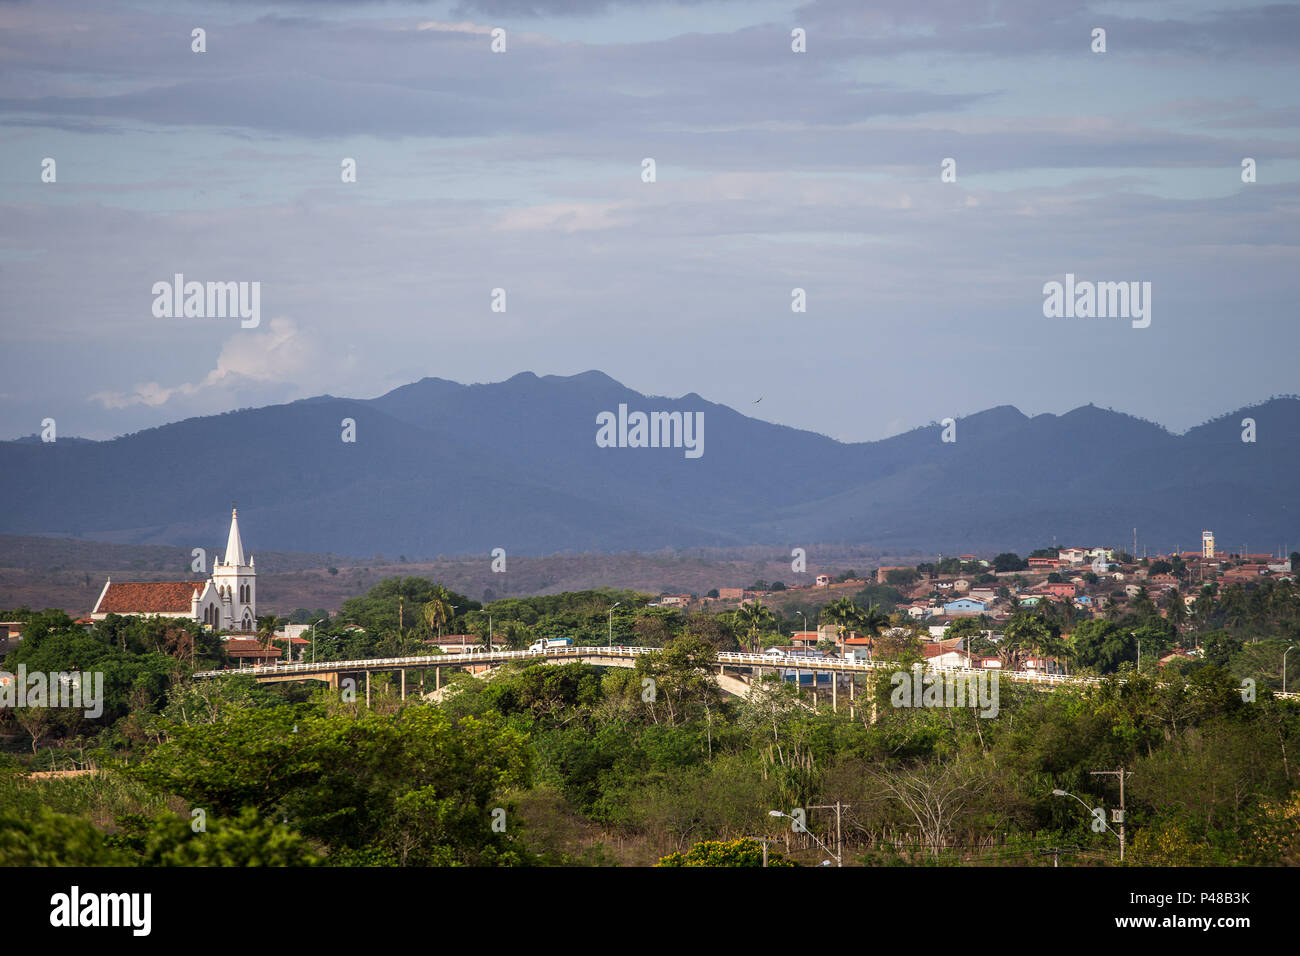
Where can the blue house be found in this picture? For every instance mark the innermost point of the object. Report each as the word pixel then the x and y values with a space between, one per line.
pixel 965 605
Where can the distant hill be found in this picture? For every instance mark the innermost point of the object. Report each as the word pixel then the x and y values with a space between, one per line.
pixel 440 468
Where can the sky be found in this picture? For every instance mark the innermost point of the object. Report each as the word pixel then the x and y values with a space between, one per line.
pixel 774 170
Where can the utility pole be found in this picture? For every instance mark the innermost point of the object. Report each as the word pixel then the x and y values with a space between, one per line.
pixel 763 840
pixel 839 833
pixel 1122 774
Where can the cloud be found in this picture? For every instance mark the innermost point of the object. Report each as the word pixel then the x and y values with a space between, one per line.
pixel 279 354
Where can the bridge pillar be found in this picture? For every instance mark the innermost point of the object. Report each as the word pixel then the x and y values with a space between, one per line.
pixel 835 681
pixel 367 690
pixel 437 678
pixel 403 683
pixel 853 682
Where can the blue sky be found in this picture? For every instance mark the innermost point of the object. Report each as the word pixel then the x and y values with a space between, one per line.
pixel 775 170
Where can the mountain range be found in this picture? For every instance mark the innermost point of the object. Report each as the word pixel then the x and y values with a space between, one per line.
pixel 440 468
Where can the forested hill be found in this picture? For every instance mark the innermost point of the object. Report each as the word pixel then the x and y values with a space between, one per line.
pixel 443 468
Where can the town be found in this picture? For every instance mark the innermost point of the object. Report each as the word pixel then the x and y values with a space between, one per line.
pixel 786 694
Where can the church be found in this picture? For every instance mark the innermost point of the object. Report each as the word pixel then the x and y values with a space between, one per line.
pixel 226 601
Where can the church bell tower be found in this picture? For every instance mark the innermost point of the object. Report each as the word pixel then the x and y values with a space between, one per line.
pixel 236 582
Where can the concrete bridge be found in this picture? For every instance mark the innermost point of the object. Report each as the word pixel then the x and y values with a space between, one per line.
pixel 744 665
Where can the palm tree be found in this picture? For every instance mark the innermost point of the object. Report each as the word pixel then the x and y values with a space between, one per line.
pixel 1032 633
pixel 753 617
pixel 1177 609
pixel 873 620
pixel 844 614
pixel 437 611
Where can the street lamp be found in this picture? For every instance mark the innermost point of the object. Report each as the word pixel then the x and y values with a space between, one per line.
pixel 1284 654
pixel 611 622
pixel 1062 793
pixel 313 640
pixel 778 813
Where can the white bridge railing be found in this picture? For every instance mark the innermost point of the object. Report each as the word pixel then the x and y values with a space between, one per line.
pixel 732 658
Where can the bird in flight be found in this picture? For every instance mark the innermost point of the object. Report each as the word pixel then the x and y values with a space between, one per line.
pixel 759 399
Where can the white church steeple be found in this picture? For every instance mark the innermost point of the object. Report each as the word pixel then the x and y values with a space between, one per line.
pixel 236 580
pixel 234 547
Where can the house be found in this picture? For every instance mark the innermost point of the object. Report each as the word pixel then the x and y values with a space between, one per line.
pixel 945 654
pixel 858 647
pixel 731 594
pixel 961 584
pixel 11 632
pixel 964 607
pixel 250 650
pixel 1049 564
pixel 1072 555
pixel 1178 654
pixel 823 580
pixel 675 600
pixel 1060 589
pixel 987 595
pixel 227 600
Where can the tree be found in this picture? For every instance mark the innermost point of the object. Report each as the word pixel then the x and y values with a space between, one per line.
pixel 742 852
pixel 1103 645
pixel 752 618
pixel 1009 561
pixel 844 614
pixel 437 611
pixel 1141 607
pixel 411 784
pixel 243 840
pixel 46 838
pixel 902 577
pixel 683 687
pixel 934 794
pixel 1030 632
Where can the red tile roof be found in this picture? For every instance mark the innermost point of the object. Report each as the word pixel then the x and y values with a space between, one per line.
pixel 247 647
pixel 148 597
